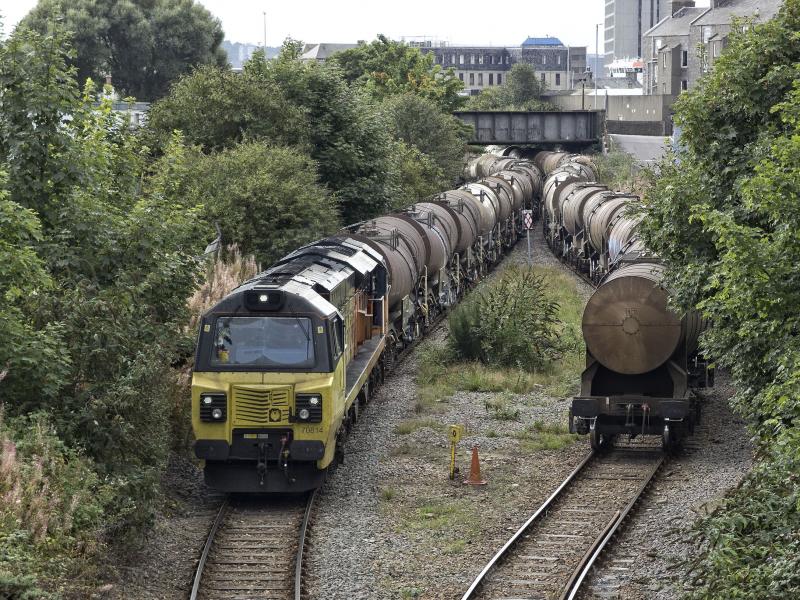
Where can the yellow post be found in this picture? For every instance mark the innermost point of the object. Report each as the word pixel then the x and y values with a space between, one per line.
pixel 456 431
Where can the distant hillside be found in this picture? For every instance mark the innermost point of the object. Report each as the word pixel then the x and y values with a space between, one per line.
pixel 238 53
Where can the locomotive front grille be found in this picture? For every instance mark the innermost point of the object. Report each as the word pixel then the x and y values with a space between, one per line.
pixel 259 406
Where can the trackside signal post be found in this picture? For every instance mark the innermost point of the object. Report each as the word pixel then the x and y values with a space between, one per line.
pixel 456 431
pixel 527 220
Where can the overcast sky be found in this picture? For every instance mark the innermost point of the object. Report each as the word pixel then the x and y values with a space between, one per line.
pixel 467 21
pixel 485 22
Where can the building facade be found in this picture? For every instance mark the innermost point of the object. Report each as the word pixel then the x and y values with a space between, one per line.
pixel 681 48
pixel 481 67
pixel 625 22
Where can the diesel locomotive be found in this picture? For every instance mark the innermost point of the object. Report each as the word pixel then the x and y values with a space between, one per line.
pixel 286 362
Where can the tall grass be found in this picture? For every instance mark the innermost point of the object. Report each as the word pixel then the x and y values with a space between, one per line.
pixel 443 370
pixel 510 322
pixel 225 273
pixel 51 502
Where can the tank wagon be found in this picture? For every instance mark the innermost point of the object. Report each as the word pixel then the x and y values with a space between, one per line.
pixel 641 358
pixel 286 362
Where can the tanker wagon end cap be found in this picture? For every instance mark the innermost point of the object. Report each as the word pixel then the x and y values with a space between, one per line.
pixel 628 326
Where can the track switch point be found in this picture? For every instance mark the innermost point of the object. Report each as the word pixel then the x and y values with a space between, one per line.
pixel 475 470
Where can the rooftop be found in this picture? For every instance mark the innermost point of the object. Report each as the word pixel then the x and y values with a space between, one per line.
pixel 678 24
pixel 762 10
pixel 542 41
pixel 323 51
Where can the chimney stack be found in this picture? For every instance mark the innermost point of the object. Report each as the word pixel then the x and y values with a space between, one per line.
pixel 677 5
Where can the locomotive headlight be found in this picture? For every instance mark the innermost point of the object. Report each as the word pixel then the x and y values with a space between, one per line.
pixel 308 408
pixel 263 298
pixel 213 407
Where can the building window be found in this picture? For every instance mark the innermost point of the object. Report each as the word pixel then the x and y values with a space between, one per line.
pixel 472 59
pixel 684 85
pixel 508 59
pixel 480 78
pixel 461 76
pixel 544 59
pixel 491 59
pixel 472 78
pixel 558 59
pixel 452 59
pixel 558 79
pixel 542 77
pixel 499 79
pixel 481 59
pixel 684 58
pixel 461 59
pixel 491 78
pixel 664 60
pixel 715 48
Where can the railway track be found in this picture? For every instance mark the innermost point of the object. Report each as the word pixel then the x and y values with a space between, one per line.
pixel 255 550
pixel 552 553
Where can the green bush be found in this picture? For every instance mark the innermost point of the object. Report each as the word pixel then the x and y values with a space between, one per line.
pixel 724 216
pixel 21 587
pixel 265 199
pixel 53 503
pixel 512 322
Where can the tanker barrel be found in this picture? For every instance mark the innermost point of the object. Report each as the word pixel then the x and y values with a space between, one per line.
pixel 487 202
pixel 505 195
pixel 624 230
pixel 572 205
pixel 402 267
pixel 463 205
pixel 598 220
pixel 627 324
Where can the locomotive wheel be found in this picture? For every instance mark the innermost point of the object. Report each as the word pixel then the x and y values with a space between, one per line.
pixel 668 439
pixel 599 441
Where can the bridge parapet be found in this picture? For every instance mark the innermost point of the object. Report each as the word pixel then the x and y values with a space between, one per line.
pixel 540 128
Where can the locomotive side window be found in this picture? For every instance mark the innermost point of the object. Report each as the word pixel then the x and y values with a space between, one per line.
pixel 263 341
pixel 337 335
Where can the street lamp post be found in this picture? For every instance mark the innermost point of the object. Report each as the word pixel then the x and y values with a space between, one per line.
pixel 596 59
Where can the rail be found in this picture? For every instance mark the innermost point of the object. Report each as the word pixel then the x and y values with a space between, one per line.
pixel 623 475
pixel 525 527
pixel 237 536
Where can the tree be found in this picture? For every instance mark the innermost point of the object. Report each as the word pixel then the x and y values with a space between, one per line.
pixel 265 199
pixel 418 122
pixel 217 108
pixel 523 85
pixel 385 67
pixel 723 214
pixel 94 298
pixel 522 91
pixel 23 279
pixel 143 44
pixel 415 175
pixel 38 92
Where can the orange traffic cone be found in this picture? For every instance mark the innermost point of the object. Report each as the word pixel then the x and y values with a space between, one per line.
pixel 475 470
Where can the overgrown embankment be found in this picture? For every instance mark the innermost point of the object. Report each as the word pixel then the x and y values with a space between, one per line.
pixel 723 214
pixel 102 237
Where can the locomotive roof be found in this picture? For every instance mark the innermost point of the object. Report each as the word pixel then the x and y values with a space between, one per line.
pixel 307 273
